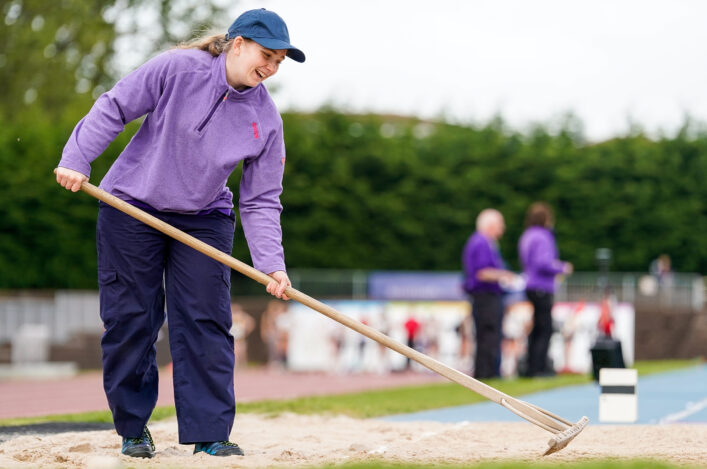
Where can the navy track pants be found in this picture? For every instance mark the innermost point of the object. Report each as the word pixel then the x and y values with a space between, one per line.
pixel 137 265
pixel 540 335
pixel 487 311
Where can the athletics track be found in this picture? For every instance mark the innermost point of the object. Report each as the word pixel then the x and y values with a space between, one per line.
pixel 672 397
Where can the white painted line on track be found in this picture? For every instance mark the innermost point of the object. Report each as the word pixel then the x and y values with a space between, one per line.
pixel 690 408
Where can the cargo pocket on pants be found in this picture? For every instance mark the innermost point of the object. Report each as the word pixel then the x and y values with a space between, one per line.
pixel 108 293
pixel 106 277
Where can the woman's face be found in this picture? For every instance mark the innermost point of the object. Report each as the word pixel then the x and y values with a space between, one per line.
pixel 248 63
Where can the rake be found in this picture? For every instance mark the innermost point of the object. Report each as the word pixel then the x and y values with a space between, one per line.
pixel 563 431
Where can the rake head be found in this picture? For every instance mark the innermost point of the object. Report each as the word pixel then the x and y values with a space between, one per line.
pixel 563 430
pixel 562 439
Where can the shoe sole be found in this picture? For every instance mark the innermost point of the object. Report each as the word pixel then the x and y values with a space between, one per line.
pixel 221 455
pixel 141 454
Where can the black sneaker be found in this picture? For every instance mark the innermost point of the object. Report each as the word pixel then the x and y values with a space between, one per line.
pixel 140 447
pixel 218 448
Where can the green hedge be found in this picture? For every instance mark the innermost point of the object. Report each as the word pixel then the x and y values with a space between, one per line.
pixel 356 198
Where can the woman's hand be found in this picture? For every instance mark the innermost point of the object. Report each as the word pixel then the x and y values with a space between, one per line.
pixel 70 179
pixel 277 288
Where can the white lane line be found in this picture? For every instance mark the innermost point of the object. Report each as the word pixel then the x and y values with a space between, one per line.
pixel 690 408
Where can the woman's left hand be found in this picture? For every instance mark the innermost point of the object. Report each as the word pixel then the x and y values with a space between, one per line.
pixel 277 288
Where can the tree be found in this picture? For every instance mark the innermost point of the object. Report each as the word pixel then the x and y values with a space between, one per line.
pixel 174 21
pixel 53 56
pixel 57 57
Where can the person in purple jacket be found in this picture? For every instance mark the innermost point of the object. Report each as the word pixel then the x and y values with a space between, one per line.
pixel 483 270
pixel 206 110
pixel 539 258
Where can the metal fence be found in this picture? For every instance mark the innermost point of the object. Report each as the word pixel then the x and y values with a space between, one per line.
pixel 64 312
pixel 68 312
pixel 679 292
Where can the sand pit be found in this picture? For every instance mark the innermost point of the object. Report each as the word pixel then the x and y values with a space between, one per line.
pixel 295 440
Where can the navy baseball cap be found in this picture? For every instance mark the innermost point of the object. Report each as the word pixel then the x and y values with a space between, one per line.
pixel 267 29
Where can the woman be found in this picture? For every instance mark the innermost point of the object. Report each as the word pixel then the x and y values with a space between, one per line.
pixel 538 255
pixel 206 111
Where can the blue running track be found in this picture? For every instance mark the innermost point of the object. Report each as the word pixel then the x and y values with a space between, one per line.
pixel 672 397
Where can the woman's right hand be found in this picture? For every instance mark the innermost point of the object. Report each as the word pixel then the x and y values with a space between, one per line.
pixel 70 179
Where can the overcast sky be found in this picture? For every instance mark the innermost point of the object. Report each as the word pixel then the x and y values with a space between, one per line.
pixel 609 62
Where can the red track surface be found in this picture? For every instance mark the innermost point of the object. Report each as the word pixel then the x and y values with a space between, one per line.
pixel 33 398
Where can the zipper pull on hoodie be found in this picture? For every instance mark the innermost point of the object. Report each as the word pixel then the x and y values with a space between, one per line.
pixel 225 96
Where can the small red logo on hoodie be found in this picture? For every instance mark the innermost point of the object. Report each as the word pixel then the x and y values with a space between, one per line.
pixel 255 130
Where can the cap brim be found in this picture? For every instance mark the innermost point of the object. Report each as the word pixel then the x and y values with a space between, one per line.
pixel 292 52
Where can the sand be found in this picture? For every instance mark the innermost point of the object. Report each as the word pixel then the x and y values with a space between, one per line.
pixel 294 440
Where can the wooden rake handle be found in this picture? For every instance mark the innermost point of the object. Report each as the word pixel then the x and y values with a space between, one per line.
pixel 531 413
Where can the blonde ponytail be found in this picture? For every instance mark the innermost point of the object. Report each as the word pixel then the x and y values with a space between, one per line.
pixel 214 45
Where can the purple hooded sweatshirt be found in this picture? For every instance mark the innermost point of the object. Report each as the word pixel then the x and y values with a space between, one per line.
pixel 538 256
pixel 196 130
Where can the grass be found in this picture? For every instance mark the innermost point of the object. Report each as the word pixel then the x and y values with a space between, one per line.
pixel 596 464
pixel 379 402
pixel 432 396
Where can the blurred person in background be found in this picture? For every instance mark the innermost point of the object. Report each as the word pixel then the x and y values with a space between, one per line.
pixel 274 327
pixel 412 327
pixel 243 325
pixel 539 258
pixel 484 269
pixel 206 111
pixel 661 268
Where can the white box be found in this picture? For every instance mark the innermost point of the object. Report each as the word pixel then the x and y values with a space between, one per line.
pixel 618 402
